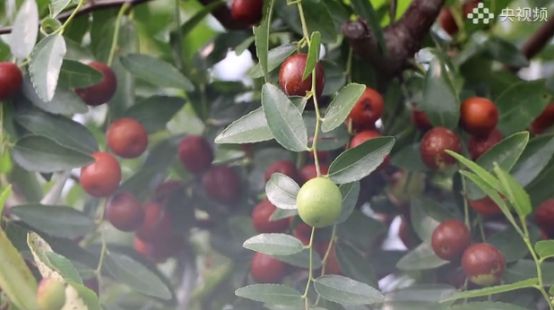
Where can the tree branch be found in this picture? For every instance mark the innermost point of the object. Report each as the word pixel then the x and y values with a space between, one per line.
pixel 402 39
pixel 538 40
pixel 89 7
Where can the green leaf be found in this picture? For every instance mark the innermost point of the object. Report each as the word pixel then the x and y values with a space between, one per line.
pixel 505 52
pixel 301 259
pixel 4 195
pixel 16 280
pixel 493 290
pixel 57 221
pixel 155 71
pixel 506 152
pixel 509 242
pixel 45 65
pixel 192 22
pixel 318 18
pixel 366 11
pixel 40 154
pixel 271 294
pixel 420 258
pixel 75 74
pixel 313 54
pixel 281 190
pixel 517 196
pixel 327 141
pixel 65 101
pixel 57 6
pixel 60 129
pixel 340 107
pixel 284 119
pixel 520 104
pixel 355 164
pixel 24 30
pixel 534 159
pixel 274 244
pixel 545 249
pixel 483 174
pixel 426 215
pixel 354 265
pixel 350 193
pixel 440 101
pixel 346 291
pixel 64 266
pixel 155 112
pixel 261 37
pixel 486 305
pixel 139 278
pixel 274 59
pixel 250 128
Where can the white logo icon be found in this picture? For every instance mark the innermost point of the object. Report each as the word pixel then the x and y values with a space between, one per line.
pixel 480 13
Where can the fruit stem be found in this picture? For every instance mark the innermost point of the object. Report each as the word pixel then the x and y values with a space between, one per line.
pixel 310 270
pixel 328 250
pixel 305 31
pixel 115 37
pixel 70 18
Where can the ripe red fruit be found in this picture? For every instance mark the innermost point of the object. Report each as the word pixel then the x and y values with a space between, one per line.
pixel 158 252
pixel 10 80
pixel 157 224
pixel 309 172
pixel 434 144
pixel 483 264
pixel 222 184
pixel 421 120
pixel 285 167
pixel 367 110
pixel 479 116
pixel 544 120
pixel 485 207
pixel 478 146
pixel 195 154
pixel 125 212
pixel 447 22
pixel 544 216
pixel 101 178
pixel 290 76
pixel 247 11
pixel 266 269
pixel 261 218
pixel 127 137
pixel 364 136
pixel 450 239
pixel 103 91
pixel 332 265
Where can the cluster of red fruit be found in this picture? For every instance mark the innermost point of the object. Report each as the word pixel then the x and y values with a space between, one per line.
pixel 482 263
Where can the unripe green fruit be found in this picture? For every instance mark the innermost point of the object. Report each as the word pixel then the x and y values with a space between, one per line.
pixel 319 202
pixel 50 294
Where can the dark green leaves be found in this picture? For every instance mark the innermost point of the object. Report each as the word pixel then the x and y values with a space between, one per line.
pixel 340 107
pixel 275 294
pixel 505 52
pixel 274 58
pixel 313 54
pixel 156 71
pixel 261 37
pixel 493 290
pixel 57 221
pixel 250 128
pixel 45 65
pixel 274 244
pixel 76 74
pixel 440 101
pixel 284 119
pixel 154 112
pixel 41 154
pixel 350 193
pixel 281 190
pixel 319 19
pixel 520 104
pixel 545 249
pixel 346 291
pixel 24 30
pixel 420 258
pixel 356 163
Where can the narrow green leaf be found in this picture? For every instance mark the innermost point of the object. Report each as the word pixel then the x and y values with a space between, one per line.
pixel 350 193
pixel 318 18
pixel 281 190
pixel 45 65
pixel 64 266
pixel 4 195
pixel 492 290
pixel 275 294
pixel 261 37
pixel 301 259
pixel 440 101
pixel 534 159
pixel 250 128
pixel 346 291
pixel 40 154
pixel 421 258
pixel 545 249
pixel 57 221
pixel 57 6
pixel 284 119
pixel 274 59
pixel 340 107
pixel 24 30
pixel 355 164
pixel 486 176
pixel 16 280
pixel 75 74
pixel 274 244
pixel 313 54
pixel 155 71
pixel 486 305
pixel 517 196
